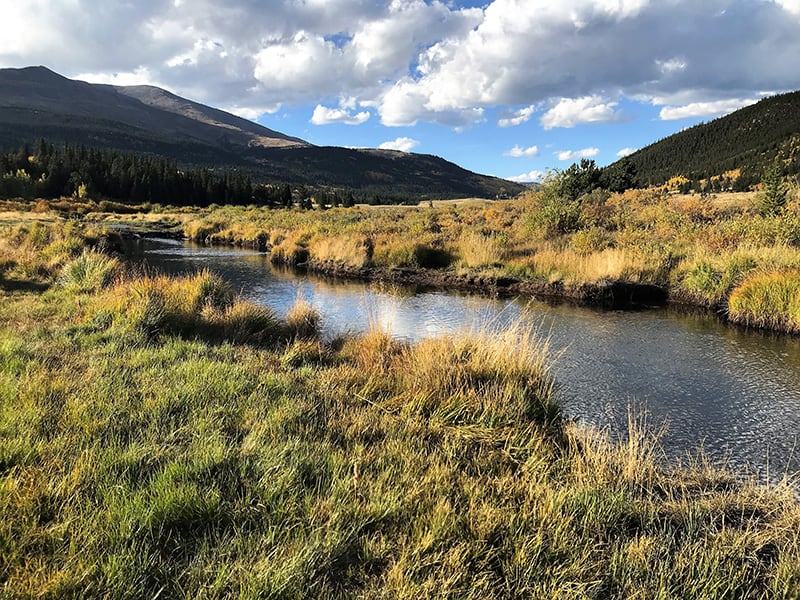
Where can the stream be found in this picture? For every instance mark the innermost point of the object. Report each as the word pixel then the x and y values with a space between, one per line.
pixel 734 393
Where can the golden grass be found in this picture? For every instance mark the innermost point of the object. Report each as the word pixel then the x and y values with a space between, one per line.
pixel 768 300
pixel 478 250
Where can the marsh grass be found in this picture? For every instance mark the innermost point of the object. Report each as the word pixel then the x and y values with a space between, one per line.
pixel 163 438
pixel 188 466
pixel 698 248
pixel 303 320
pixel 91 271
pixel 768 300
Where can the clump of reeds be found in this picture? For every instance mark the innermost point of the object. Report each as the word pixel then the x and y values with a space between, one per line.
pixel 490 377
pixel 303 320
pixel 91 271
pixel 247 323
pixel 768 300
pixel 199 305
pixel 476 249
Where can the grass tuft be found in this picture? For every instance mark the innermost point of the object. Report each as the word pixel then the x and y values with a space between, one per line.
pixel 768 300
pixel 91 271
pixel 303 320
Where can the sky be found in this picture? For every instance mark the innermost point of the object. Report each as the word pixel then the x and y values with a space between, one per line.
pixel 513 88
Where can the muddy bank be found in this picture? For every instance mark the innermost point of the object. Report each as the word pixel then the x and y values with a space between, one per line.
pixel 615 295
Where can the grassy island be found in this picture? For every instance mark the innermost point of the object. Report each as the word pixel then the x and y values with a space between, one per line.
pixel 163 438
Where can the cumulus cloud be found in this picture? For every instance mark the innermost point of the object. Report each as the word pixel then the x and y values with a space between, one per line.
pixel 413 60
pixel 531 177
pixel 577 154
pixel 518 117
pixel 569 112
pixel 325 116
pixel 519 152
pixel 404 144
pixel 793 6
pixel 626 152
pixel 704 109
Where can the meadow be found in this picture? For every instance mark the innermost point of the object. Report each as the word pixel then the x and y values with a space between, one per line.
pixel 164 438
pixel 713 251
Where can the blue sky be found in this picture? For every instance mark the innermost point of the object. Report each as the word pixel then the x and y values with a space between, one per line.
pixel 505 87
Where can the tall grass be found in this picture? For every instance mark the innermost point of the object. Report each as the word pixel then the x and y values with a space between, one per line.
pixel 189 466
pixel 768 300
pixel 89 272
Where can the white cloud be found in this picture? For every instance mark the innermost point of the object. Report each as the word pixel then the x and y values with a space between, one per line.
pixel 626 152
pixel 430 60
pixel 519 117
pixel 577 154
pixel 570 112
pixel 404 144
pixel 531 177
pixel 325 116
pixel 793 6
pixel 704 109
pixel 672 65
pixel 140 76
pixel 519 152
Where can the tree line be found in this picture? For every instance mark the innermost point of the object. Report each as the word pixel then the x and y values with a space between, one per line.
pixel 76 171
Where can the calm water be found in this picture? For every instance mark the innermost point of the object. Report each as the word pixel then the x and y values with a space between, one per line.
pixel 735 393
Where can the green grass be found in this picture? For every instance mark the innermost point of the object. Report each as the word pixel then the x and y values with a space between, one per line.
pixel 768 300
pixel 225 454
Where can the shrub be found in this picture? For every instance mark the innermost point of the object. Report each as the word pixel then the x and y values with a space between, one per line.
pixel 553 215
pixel 589 241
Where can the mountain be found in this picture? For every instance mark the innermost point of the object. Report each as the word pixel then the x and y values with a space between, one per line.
pixel 748 140
pixel 37 103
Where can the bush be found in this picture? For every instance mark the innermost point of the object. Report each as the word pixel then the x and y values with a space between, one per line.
pixel 553 215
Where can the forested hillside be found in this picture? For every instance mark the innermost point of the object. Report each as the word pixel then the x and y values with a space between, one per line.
pixel 50 171
pixel 736 148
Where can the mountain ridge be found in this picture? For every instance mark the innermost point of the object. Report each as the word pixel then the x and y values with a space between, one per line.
pixel 746 141
pixel 36 102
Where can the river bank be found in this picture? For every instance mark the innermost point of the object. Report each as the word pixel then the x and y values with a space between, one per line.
pixel 637 249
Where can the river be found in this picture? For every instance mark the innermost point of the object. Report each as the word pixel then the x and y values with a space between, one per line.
pixel 734 393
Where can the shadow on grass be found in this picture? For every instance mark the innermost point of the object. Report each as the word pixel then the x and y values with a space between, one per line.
pixel 22 285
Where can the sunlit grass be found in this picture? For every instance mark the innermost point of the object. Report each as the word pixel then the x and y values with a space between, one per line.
pixel 768 300
pixel 161 437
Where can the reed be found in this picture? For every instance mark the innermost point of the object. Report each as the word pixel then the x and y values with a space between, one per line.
pixel 768 300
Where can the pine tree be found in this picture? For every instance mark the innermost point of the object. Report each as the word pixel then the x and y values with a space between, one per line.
pixel 772 199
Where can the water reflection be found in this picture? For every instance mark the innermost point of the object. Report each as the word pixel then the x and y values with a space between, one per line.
pixel 736 392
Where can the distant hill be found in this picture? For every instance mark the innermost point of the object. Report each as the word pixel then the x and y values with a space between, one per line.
pixel 748 140
pixel 37 103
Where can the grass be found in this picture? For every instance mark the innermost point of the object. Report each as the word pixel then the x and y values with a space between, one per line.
pixel 768 300
pixel 699 249
pixel 199 462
